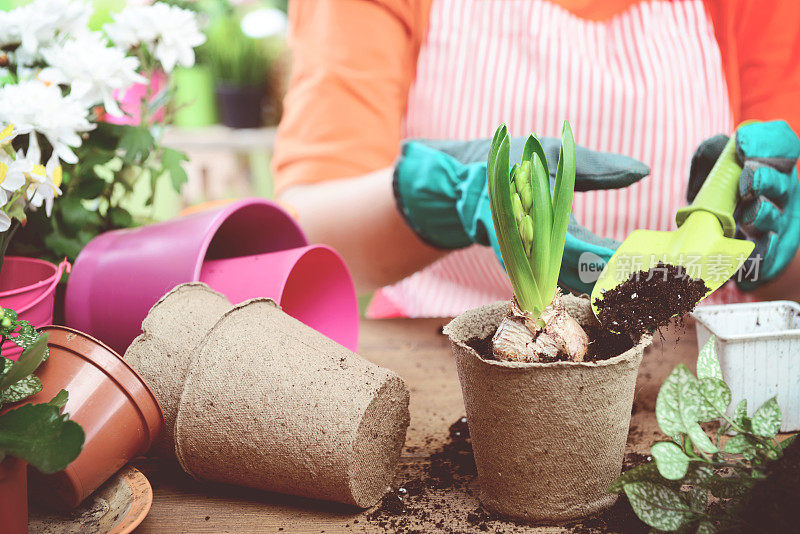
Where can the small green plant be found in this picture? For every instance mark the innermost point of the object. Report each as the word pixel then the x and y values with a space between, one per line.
pixel 234 57
pixel 672 492
pixel 531 227
pixel 36 433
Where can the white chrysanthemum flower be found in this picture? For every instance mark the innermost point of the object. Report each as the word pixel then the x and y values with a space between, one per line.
pixel 13 171
pixel 92 69
pixel 171 33
pixel 42 23
pixel 44 187
pixel 35 106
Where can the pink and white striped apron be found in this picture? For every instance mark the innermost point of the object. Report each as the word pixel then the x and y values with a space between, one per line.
pixel 647 83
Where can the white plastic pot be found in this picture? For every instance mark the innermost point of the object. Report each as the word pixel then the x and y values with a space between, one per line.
pixel 758 345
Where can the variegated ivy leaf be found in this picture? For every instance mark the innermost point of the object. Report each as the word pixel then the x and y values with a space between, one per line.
pixel 658 506
pixel 698 499
pixel 23 389
pixel 668 403
pixel 767 419
pixel 698 473
pixel 26 338
pixel 700 439
pixel 707 362
pixel 785 443
pixel 740 412
pixel 717 396
pixel 641 473
pixel 705 527
pixel 739 444
pixel 672 462
pixel 6 365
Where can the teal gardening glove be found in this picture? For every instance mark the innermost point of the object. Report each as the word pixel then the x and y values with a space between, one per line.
pixel 441 191
pixel 768 212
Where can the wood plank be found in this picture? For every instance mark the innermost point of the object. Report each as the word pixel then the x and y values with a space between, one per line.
pixel 417 351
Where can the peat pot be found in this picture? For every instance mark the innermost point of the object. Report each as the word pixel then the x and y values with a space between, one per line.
pixel 119 414
pixel 13 496
pixel 255 398
pixel 548 438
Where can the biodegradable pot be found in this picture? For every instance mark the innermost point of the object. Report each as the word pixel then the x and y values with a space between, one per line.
pixel 268 402
pixel 164 352
pixel 120 274
pixel 119 414
pixel 13 496
pixel 240 106
pixel 312 284
pixel 758 346
pixel 548 438
pixel 28 286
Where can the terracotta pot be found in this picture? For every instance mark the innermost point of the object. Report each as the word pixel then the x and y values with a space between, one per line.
pixel 548 438
pixel 119 414
pixel 13 496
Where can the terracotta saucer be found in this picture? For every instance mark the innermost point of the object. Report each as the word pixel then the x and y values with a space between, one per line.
pixel 117 507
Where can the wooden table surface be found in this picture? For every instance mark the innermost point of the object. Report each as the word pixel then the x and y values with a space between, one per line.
pixel 416 350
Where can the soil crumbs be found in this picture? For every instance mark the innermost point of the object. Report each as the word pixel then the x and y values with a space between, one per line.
pixel 442 496
pixel 649 299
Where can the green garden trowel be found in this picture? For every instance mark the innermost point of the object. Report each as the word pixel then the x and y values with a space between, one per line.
pixel 703 244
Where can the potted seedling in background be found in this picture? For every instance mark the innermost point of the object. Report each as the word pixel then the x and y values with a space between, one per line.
pixel 240 66
pixel 548 412
pixel 35 434
pixel 754 478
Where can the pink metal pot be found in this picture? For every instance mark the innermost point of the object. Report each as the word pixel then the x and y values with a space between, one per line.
pixel 27 286
pixel 312 284
pixel 119 275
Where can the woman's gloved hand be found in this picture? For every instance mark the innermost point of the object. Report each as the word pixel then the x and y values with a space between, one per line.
pixel 768 212
pixel 441 190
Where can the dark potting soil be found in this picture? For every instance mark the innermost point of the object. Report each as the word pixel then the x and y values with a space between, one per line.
pixel 649 299
pixel 772 505
pixel 436 498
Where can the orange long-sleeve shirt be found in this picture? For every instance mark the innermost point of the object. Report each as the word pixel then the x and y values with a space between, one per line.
pixel 354 61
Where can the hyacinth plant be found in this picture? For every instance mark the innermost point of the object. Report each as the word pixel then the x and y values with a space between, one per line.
pixel 94 105
pixel 531 227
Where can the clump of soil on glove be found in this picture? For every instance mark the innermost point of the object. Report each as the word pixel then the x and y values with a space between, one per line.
pixel 648 300
pixel 441 495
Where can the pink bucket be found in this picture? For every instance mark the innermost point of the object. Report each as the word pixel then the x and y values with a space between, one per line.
pixel 27 286
pixel 312 284
pixel 119 275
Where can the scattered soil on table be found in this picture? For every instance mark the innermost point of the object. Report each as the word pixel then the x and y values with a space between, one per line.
pixel 441 496
pixel 773 502
pixel 649 299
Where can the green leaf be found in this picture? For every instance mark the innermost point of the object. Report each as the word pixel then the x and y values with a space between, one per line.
pixel 90 186
pixel 658 506
pixel 739 444
pixel 672 410
pixel 740 413
pixel 136 144
pixel 511 247
pixel 27 363
pixel 786 442
pixel 641 473
pixel 672 462
pixel 706 527
pixel 700 439
pixel 767 419
pixel 38 434
pixel 172 161
pixel 717 396
pixel 60 400
pixel 21 390
pixel 542 210
pixel 698 499
pixel 707 362
pixel 728 487
pixel 76 215
pixel 563 193
pixel 698 473
pixel 26 337
pixel 120 217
